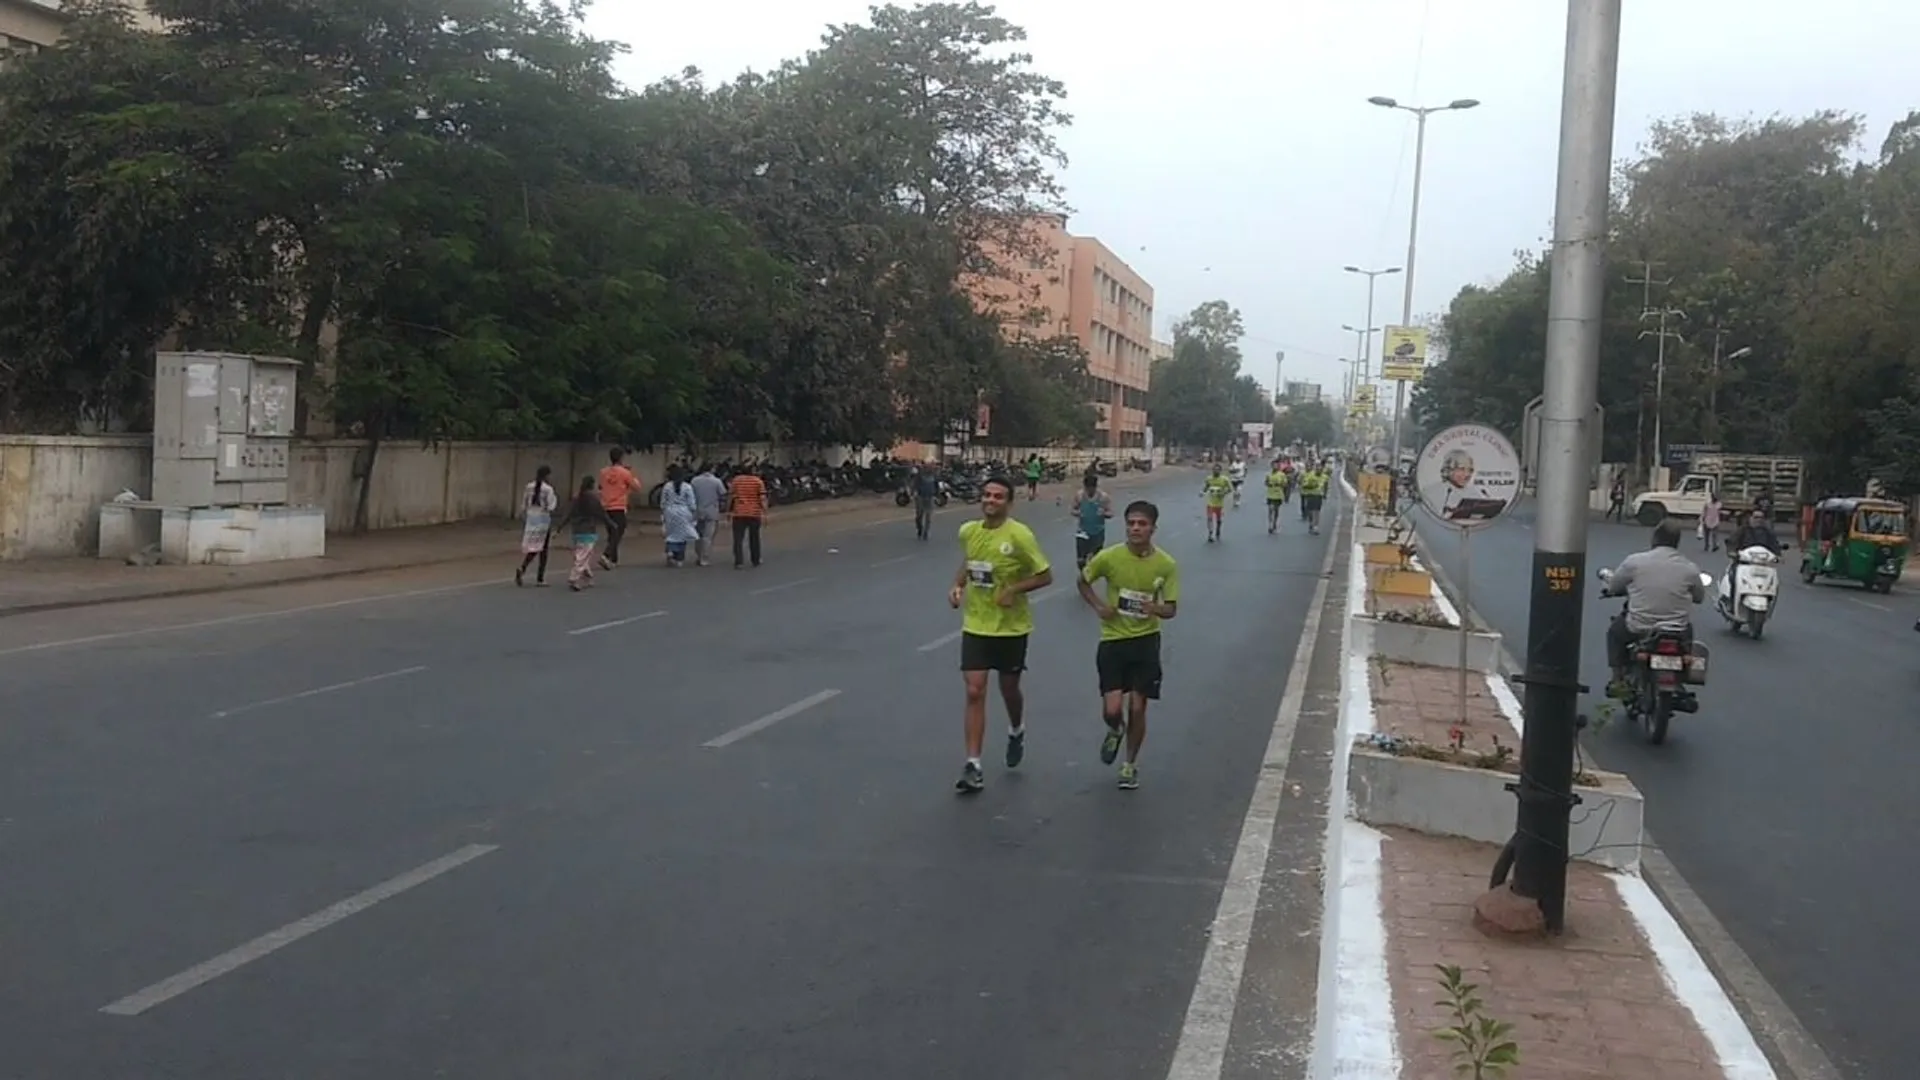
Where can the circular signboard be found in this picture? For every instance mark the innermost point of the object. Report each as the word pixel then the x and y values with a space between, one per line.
pixel 1467 476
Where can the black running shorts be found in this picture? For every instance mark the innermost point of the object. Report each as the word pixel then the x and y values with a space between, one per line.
pixel 1006 655
pixel 1130 665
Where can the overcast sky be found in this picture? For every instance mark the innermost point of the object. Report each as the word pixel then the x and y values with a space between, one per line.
pixel 1226 150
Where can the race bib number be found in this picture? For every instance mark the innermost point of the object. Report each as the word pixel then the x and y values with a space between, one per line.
pixel 1133 604
pixel 980 574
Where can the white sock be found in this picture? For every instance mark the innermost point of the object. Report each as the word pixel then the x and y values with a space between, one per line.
pixel 1017 730
pixel 974 761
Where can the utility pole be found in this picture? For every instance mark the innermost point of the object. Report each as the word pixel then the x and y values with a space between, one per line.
pixel 1660 376
pixel 1646 281
pixel 1575 305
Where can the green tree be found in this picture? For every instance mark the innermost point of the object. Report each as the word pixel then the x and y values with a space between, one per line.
pixel 1310 423
pixel 1195 397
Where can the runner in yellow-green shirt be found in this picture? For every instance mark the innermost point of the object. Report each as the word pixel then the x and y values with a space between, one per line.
pixel 1313 494
pixel 1001 563
pixel 1277 483
pixel 1216 490
pixel 1143 589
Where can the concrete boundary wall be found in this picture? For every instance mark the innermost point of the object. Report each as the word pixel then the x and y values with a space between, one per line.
pixel 51 486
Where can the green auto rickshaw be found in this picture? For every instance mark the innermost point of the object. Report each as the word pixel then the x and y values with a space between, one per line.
pixel 1863 540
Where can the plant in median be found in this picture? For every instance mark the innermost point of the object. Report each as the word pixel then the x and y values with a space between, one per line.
pixel 1482 1047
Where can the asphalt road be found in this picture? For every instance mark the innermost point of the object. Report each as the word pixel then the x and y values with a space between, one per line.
pixel 693 823
pixel 1789 801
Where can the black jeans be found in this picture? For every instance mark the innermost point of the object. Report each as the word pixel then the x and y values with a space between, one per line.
pixel 1619 640
pixel 617 528
pixel 922 514
pixel 746 538
pixel 541 555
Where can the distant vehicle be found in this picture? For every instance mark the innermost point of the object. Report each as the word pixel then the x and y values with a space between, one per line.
pixel 1739 479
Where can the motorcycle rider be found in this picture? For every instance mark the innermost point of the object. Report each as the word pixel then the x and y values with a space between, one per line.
pixel 1662 587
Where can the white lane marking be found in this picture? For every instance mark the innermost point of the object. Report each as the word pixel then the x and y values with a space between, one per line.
pixel 890 562
pixel 770 719
pixel 1869 603
pixel 141 1000
pixel 232 620
pixel 318 690
pixel 783 585
pixel 942 640
pixel 953 636
pixel 1202 1051
pixel 597 627
pixel 1692 982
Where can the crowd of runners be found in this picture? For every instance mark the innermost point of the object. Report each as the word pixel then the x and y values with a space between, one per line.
pixel 1133 587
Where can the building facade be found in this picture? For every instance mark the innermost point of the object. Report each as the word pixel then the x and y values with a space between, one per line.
pixel 1076 285
pixel 27 26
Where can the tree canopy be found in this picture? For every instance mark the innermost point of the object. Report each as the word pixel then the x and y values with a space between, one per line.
pixel 1198 397
pixel 468 228
pixel 1797 269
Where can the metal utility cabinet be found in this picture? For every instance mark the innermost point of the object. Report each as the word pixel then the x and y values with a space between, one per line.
pixel 222 452
pixel 222 429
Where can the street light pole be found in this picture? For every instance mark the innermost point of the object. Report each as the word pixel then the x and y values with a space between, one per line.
pixel 1366 333
pixel 1713 382
pixel 1575 305
pixel 1420 113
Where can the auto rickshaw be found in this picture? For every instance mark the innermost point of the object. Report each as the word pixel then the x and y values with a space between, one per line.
pixel 1863 540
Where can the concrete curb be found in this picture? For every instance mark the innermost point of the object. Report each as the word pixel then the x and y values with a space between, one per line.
pixel 1787 1044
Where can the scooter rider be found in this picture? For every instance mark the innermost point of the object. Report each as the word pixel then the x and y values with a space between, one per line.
pixel 1756 531
pixel 1662 587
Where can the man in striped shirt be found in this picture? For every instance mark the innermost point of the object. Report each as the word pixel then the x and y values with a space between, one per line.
pixel 747 502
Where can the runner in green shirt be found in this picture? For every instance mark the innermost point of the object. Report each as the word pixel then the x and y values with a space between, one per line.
pixel 1035 469
pixel 1001 563
pixel 1277 482
pixel 1216 490
pixel 1143 588
pixel 1313 493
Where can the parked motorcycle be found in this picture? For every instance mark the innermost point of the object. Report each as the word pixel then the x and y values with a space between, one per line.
pixel 1749 590
pixel 1666 666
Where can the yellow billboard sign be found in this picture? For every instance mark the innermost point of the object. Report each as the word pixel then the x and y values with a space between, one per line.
pixel 1403 353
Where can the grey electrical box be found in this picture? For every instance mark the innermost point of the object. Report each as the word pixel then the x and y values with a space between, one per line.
pixel 222 429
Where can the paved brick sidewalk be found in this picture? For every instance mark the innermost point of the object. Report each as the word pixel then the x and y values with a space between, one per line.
pixel 1592 1005
pixel 44 584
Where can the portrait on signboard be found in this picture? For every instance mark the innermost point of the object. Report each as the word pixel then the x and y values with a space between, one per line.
pixel 1468 475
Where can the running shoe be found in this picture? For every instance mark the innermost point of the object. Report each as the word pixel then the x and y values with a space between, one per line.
pixel 1129 777
pixel 1016 748
pixel 971 779
pixel 1110 746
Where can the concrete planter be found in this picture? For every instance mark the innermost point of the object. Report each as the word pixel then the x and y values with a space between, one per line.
pixel 1415 583
pixel 1428 646
pixel 1454 800
pixel 1385 554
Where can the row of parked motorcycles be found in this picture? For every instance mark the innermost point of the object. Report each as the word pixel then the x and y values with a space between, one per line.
pixel 804 481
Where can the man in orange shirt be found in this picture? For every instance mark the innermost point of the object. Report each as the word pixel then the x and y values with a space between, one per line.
pixel 617 483
pixel 747 502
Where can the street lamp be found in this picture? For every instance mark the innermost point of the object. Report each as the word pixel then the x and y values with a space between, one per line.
pixel 1362 335
pixel 1713 384
pixel 1420 113
pixel 1366 335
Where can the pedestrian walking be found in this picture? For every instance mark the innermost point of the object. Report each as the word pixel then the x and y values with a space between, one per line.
pixel 1617 497
pixel 537 505
pixel 924 482
pixel 1142 591
pixel 617 485
pixel 1000 564
pixel 679 517
pixel 709 497
pixel 1710 523
pixel 747 502
pixel 586 516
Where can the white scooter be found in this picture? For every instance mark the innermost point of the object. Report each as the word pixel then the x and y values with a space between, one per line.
pixel 1748 590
